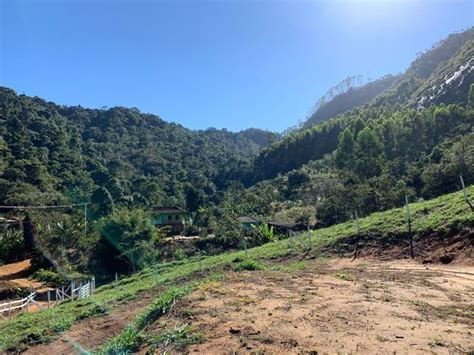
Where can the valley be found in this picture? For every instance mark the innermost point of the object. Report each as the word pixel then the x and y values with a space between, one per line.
pixel 351 232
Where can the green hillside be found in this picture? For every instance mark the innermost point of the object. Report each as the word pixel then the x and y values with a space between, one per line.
pixel 441 74
pixel 53 153
pixel 440 219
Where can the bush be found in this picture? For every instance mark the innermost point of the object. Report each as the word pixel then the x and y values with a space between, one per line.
pixel 180 254
pixel 249 264
pixel 49 277
pixel 228 232
pixel 12 245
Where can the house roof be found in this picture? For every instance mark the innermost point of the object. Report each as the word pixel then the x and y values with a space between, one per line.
pixel 168 209
pixel 247 219
pixel 281 224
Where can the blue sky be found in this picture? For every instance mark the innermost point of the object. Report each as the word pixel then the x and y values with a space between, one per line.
pixel 228 64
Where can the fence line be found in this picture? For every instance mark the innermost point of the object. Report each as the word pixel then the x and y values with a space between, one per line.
pixel 297 239
pixel 21 304
pixel 71 292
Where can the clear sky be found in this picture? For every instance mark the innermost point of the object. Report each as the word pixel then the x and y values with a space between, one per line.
pixel 228 64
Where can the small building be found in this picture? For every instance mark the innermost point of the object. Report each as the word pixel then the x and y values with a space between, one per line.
pixel 248 222
pixel 175 217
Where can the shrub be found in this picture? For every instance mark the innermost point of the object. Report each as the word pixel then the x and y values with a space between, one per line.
pixel 180 254
pixel 49 277
pixel 11 245
pixel 249 265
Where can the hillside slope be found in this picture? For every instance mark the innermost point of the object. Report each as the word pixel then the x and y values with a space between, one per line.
pixel 442 74
pixel 350 99
pixel 51 152
pixel 436 222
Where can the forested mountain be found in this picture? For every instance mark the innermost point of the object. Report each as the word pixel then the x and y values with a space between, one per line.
pixel 53 153
pixel 406 135
pixel 353 97
pixel 440 75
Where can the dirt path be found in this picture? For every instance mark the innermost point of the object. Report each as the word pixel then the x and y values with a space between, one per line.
pixel 335 307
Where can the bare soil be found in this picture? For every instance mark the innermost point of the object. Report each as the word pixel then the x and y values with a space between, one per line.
pixel 17 274
pixel 340 306
pixel 88 334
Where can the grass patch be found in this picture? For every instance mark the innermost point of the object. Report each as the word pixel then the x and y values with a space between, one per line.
pixel 249 265
pixel 296 266
pixel 177 339
pixel 130 338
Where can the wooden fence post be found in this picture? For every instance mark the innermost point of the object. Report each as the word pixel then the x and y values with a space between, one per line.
pixel 357 236
pixel 49 299
pixel 410 235
pixel 465 193
pixel 200 260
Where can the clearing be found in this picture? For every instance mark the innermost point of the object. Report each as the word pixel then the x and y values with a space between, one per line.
pixel 313 307
pixel 335 306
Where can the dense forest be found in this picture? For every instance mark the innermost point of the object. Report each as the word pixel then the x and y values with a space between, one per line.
pixel 53 153
pixel 364 150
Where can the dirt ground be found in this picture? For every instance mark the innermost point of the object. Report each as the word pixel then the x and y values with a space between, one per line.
pixel 16 275
pixel 90 333
pixel 337 306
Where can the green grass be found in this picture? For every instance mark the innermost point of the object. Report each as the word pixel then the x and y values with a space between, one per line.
pixel 443 215
pixel 130 338
pixel 291 267
pixel 249 265
pixel 178 338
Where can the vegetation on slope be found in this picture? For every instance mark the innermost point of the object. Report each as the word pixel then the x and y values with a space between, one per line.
pixel 445 216
pixel 352 97
pixel 422 84
pixel 54 153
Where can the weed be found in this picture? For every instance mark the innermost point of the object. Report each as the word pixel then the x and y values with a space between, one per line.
pixel 381 338
pixel 95 311
pixel 436 341
pixel 298 265
pixel 249 265
pixel 178 338
pixel 344 276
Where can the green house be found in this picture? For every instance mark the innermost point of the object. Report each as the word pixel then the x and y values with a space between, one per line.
pixel 248 222
pixel 175 217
